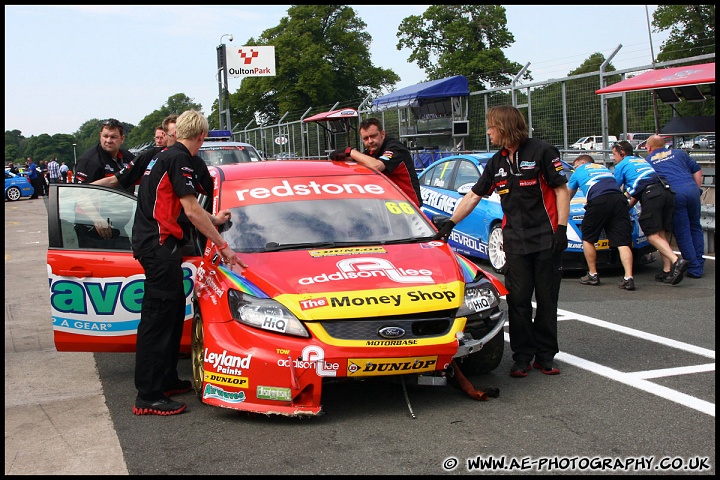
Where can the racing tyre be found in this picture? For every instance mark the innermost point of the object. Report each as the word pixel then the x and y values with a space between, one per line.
pixel 496 254
pixel 487 359
pixel 196 354
pixel 13 194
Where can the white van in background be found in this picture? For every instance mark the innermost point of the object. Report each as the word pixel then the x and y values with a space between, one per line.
pixel 635 139
pixel 594 142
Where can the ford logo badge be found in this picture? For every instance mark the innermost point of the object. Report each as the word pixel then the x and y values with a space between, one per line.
pixel 391 332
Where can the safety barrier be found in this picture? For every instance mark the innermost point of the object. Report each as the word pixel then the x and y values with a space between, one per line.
pixel 707 220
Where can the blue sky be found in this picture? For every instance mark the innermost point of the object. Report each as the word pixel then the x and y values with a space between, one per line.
pixel 65 65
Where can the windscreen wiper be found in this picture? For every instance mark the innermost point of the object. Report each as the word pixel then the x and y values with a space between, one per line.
pixel 408 240
pixel 276 247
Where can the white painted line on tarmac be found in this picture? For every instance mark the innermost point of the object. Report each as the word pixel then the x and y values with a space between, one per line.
pixel 671 372
pixel 638 333
pixel 639 379
pixel 631 380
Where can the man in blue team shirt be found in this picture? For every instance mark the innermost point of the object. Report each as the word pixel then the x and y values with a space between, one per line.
pixel 642 184
pixel 606 208
pixel 685 177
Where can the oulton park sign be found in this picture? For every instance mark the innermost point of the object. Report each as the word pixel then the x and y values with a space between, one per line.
pixel 252 61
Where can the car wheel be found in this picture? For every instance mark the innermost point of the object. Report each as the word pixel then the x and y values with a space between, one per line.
pixel 196 354
pixel 486 359
pixel 13 194
pixel 496 253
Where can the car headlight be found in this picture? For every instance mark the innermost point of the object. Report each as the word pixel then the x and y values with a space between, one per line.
pixel 264 313
pixel 479 297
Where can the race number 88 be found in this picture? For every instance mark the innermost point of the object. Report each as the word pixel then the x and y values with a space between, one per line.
pixel 398 208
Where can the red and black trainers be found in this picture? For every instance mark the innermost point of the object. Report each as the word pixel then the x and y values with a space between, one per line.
pixel 178 387
pixel 548 368
pixel 162 406
pixel 520 369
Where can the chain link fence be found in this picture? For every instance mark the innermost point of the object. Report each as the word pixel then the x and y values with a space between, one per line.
pixel 559 111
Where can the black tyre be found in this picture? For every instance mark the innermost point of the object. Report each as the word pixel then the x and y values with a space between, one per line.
pixel 196 354
pixel 487 359
pixel 495 249
pixel 13 194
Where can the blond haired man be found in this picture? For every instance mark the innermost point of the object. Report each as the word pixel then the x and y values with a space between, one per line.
pixel 166 191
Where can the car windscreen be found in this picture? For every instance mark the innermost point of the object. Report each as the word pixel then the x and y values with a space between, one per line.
pixel 228 155
pixel 322 223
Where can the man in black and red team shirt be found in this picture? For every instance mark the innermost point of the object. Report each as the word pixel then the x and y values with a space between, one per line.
pixel 102 161
pixel 528 175
pixel 386 155
pixel 167 191
pixel 130 175
pixel 106 158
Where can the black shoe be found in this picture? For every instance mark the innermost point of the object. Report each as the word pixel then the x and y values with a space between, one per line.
pixel 663 276
pixel 590 279
pixel 548 368
pixel 178 387
pixel 520 369
pixel 678 270
pixel 162 406
pixel 628 284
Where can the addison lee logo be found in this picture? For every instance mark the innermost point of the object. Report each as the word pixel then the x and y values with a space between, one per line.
pixel 370 267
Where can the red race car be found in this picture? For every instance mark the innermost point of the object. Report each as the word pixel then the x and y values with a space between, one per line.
pixel 344 281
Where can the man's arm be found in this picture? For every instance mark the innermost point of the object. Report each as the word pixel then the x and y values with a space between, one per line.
pixel 697 176
pixel 204 223
pixel 107 182
pixel 465 206
pixel 562 199
pixel 367 160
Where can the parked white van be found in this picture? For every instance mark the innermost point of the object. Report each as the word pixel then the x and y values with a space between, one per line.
pixel 594 142
pixel 635 139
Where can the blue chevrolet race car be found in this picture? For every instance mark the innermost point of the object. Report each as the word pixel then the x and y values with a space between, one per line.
pixel 444 182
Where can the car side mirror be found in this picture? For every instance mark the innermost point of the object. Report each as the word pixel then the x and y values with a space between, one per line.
pixel 465 188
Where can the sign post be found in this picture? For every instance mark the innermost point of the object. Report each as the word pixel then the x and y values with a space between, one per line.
pixel 240 62
pixel 223 94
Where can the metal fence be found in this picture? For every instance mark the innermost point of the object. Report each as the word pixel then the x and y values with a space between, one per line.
pixel 559 111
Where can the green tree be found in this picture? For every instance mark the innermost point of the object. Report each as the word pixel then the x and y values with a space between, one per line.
pixel 583 102
pixel 144 132
pixel 464 40
pixel 13 148
pixel 322 57
pixel 692 32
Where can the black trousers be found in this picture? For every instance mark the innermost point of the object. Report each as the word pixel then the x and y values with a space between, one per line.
pixel 540 274
pixel 161 322
pixel 38 186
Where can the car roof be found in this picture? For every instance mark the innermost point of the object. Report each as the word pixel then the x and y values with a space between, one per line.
pixel 223 144
pixel 296 168
pixel 480 158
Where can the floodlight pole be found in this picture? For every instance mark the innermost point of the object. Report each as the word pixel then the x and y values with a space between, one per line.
pixel 652 59
pixel 222 74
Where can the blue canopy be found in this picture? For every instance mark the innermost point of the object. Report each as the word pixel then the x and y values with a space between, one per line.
pixel 416 95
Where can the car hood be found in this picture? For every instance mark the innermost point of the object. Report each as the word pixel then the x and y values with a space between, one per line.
pixel 351 282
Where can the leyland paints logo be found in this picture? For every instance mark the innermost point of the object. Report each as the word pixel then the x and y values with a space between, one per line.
pixel 251 61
